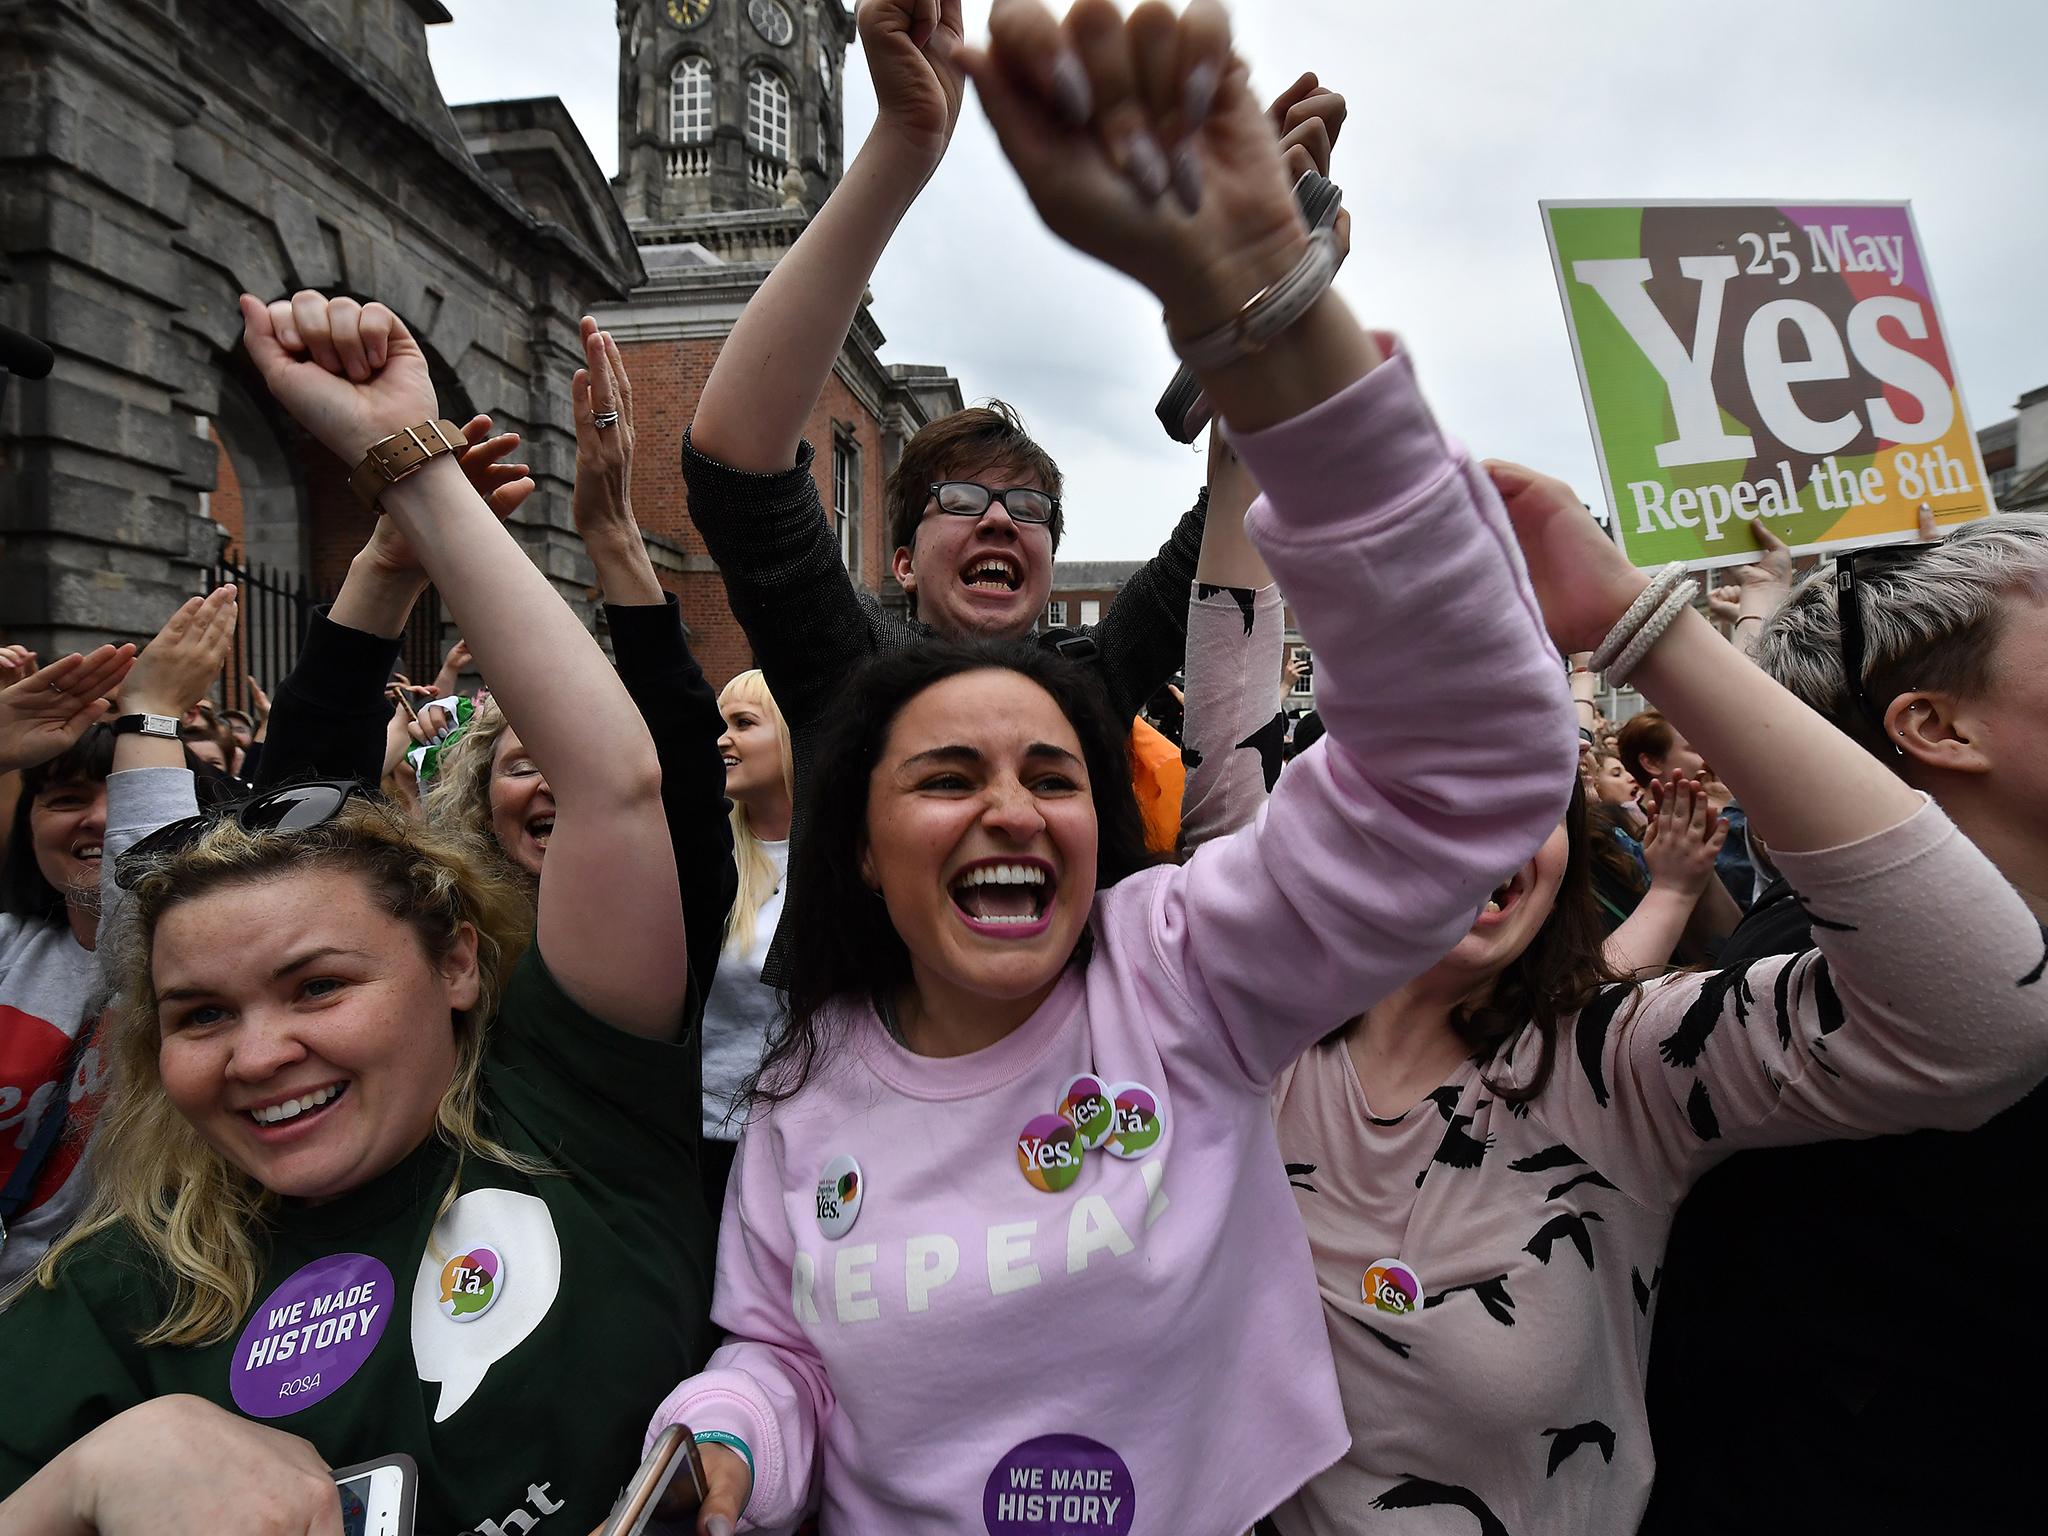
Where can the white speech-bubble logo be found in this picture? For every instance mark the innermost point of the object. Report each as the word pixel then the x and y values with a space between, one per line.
pixel 457 1353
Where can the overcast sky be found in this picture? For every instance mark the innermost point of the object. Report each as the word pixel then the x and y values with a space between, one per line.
pixel 1463 114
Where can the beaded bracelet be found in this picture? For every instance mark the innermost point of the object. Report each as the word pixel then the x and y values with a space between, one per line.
pixel 1666 615
pixel 1645 604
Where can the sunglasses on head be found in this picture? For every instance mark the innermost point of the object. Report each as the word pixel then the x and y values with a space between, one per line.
pixel 1849 587
pixel 293 808
pixel 970 498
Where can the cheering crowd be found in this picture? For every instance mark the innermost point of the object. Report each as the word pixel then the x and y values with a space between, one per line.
pixel 1487 1120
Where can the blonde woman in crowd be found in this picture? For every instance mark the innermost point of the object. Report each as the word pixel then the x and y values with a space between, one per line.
pixel 741 1010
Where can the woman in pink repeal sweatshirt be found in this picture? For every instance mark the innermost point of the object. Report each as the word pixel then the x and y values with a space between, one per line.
pixel 1009 1247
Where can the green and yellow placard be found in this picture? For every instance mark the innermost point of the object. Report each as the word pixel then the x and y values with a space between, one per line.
pixel 1747 360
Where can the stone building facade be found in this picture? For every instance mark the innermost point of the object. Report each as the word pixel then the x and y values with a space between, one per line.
pixel 159 157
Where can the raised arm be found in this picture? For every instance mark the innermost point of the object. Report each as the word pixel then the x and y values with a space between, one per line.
pixel 1439 775
pixel 662 676
pixel 773 366
pixel 331 714
pixel 1923 1006
pixel 1804 784
pixel 610 921
pixel 1234 729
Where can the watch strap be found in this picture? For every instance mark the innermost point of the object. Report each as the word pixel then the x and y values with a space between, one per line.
pixel 402 453
pixel 163 726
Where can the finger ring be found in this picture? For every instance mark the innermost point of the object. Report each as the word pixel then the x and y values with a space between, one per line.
pixel 605 419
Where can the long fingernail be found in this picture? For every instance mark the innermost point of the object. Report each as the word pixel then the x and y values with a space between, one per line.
pixel 1070 90
pixel 1198 92
pixel 1187 179
pixel 1145 165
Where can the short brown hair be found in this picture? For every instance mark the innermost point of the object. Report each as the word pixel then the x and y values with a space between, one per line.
pixel 1647 734
pixel 989 433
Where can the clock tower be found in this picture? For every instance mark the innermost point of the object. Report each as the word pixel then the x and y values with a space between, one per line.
pixel 727 106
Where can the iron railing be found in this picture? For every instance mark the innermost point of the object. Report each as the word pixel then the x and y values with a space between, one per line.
pixel 275 608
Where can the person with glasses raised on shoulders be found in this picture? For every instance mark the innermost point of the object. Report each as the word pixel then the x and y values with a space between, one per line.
pixel 393 1155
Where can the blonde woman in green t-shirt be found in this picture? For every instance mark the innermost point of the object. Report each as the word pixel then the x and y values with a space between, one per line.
pixel 374 1179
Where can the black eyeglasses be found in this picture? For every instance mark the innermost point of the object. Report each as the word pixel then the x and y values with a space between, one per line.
pixel 292 808
pixel 970 498
pixel 1849 620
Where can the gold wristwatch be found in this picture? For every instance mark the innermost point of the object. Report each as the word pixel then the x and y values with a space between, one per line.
pixel 401 454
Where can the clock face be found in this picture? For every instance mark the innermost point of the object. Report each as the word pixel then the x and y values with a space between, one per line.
pixel 687 13
pixel 772 20
pixel 825 71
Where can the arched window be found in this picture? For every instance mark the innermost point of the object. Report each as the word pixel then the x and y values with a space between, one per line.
pixel 689 100
pixel 768 115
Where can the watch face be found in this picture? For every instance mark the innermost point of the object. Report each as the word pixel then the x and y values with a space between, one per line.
pixel 772 20
pixel 687 13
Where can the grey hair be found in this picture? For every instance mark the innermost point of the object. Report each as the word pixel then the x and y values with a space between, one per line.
pixel 1931 623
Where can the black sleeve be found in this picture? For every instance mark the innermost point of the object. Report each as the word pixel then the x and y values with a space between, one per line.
pixel 1144 636
pixel 784 579
pixel 1776 925
pixel 682 716
pixel 328 718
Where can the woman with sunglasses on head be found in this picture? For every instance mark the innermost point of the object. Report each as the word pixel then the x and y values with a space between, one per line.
pixel 94 782
pixel 377 1181
pixel 1007 1243
pixel 1489 1160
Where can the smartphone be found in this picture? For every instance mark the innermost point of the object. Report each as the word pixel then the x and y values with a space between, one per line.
pixel 404 703
pixel 1184 410
pixel 377 1496
pixel 669 1484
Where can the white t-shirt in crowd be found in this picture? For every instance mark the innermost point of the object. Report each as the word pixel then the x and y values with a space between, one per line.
pixel 740 1010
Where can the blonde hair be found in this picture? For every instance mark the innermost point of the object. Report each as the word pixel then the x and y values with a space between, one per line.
pixel 458 796
pixel 156 1176
pixel 758 875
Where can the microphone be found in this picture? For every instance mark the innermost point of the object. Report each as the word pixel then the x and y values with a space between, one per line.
pixel 23 355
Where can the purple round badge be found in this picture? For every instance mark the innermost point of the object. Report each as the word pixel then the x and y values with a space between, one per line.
pixel 310 1335
pixel 1059 1485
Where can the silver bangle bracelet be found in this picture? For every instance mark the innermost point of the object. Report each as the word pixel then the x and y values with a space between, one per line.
pixel 1266 313
pixel 1626 626
pixel 1667 614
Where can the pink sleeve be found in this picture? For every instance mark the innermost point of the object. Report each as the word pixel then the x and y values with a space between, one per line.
pixel 1450 748
pixel 1922 1008
pixel 767 1385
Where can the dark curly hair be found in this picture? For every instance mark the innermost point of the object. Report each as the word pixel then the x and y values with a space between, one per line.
pixel 844 946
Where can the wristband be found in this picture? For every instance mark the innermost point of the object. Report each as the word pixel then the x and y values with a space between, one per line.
pixel 1666 615
pixel 391 459
pixel 1748 617
pixel 731 1443
pixel 1625 627
pixel 1268 312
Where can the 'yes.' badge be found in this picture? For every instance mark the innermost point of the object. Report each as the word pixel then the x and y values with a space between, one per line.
pixel 840 1193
